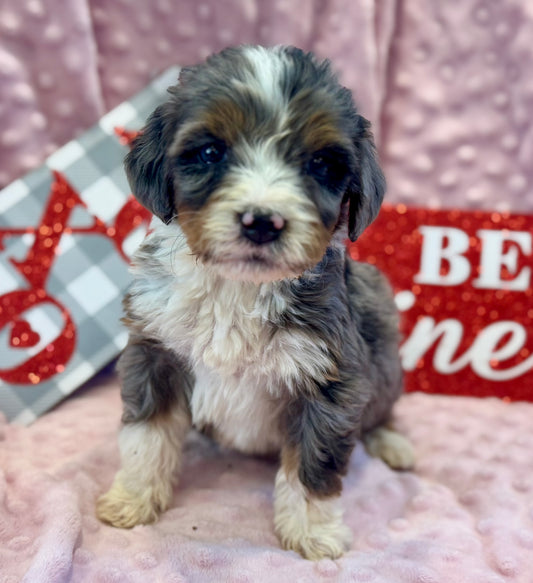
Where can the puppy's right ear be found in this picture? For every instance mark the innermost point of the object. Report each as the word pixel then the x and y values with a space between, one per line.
pixel 147 166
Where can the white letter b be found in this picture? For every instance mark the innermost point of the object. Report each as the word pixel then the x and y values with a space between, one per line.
pixel 434 253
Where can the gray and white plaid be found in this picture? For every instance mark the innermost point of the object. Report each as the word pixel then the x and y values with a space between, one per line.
pixel 88 276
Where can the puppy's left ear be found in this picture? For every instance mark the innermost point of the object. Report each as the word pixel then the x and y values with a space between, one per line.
pixel 147 165
pixel 366 192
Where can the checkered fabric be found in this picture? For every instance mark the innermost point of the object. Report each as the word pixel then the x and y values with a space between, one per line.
pixel 88 276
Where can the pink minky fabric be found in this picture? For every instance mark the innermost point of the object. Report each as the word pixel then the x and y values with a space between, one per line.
pixel 448 85
pixel 464 515
pixel 64 63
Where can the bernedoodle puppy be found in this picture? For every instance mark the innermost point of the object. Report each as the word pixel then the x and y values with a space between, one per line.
pixel 247 318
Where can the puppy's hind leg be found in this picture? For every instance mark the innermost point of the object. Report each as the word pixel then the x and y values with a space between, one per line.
pixel 392 447
pixel 156 419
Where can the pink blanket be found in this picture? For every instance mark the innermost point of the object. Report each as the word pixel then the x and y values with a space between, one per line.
pixel 465 515
pixel 447 85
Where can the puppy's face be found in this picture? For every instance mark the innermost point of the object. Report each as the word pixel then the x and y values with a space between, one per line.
pixel 260 156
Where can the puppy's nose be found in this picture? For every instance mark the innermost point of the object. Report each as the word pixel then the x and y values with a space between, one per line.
pixel 261 228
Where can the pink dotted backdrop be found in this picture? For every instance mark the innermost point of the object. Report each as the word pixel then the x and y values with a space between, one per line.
pixel 448 85
pixel 457 120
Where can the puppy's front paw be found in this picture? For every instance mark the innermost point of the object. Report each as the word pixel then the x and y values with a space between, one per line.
pixel 312 527
pixel 392 447
pixel 317 541
pixel 124 509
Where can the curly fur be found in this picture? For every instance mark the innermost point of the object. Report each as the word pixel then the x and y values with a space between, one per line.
pixel 247 318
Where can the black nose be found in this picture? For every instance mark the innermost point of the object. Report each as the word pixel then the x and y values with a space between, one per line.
pixel 261 228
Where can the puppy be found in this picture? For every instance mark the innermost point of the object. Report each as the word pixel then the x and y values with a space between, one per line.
pixel 247 319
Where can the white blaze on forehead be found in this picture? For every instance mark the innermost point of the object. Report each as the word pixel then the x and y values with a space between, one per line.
pixel 263 157
pixel 269 66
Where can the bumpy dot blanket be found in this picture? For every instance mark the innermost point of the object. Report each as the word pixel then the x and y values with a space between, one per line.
pixel 464 515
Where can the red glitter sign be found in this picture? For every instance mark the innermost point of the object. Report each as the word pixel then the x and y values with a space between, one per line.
pixel 463 283
pixel 462 279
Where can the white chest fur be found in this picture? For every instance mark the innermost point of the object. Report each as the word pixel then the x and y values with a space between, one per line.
pixel 240 412
pixel 242 363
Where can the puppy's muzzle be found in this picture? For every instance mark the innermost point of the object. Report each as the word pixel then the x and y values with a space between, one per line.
pixel 261 227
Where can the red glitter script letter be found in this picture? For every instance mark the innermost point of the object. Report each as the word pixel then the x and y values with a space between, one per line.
pixel 35 268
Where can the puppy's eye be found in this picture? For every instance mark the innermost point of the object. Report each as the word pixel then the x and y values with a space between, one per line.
pixel 319 167
pixel 329 168
pixel 212 153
